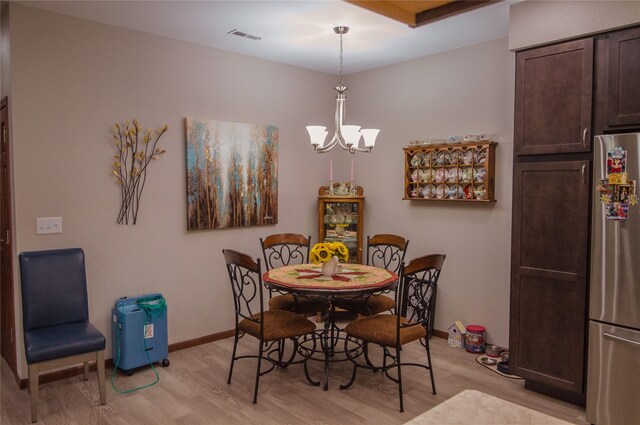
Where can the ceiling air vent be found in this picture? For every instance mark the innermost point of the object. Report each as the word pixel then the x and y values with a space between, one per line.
pixel 244 34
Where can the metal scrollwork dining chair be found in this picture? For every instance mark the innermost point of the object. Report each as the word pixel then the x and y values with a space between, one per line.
pixel 55 316
pixel 414 301
pixel 385 251
pixel 283 249
pixel 267 327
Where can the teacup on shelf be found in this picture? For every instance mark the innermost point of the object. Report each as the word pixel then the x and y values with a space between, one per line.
pixel 467 174
pixel 440 175
pixel 453 174
pixel 479 192
pixel 480 155
pixel 468 192
pixel 429 191
pixel 441 191
pixel 428 175
pixel 467 157
pixel 440 158
pixel 452 157
pixel 454 192
pixel 479 174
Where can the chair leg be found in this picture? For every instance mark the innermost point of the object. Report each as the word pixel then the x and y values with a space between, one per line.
pixel 33 389
pixel 365 351
pixel 85 372
pixel 399 377
pixel 255 392
pixel 101 379
pixel 233 356
pixel 433 382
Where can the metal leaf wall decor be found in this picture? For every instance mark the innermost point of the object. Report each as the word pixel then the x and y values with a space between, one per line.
pixel 134 153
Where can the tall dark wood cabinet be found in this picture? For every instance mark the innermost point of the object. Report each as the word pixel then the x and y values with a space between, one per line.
pixel 550 226
pixel 549 275
pixel 565 94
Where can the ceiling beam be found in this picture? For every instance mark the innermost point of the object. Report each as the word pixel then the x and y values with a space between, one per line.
pixel 387 9
pixel 451 9
pixel 411 14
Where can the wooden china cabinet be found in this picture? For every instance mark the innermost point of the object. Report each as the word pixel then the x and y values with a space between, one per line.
pixel 340 219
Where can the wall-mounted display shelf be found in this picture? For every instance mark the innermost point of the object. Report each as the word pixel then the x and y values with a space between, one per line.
pixel 450 172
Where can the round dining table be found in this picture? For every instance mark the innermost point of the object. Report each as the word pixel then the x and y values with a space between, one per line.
pixel 351 281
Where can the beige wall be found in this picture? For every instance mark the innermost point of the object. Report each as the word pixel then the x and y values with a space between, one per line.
pixel 537 22
pixel 73 79
pixel 464 91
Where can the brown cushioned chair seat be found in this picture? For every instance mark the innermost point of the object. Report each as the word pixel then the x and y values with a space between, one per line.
pixel 381 329
pixel 299 305
pixel 374 305
pixel 278 324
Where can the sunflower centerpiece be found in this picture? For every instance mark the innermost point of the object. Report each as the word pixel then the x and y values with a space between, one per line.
pixel 329 254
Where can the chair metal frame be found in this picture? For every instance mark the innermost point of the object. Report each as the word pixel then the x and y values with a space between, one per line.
pixel 386 250
pixel 246 281
pixel 418 288
pixel 283 249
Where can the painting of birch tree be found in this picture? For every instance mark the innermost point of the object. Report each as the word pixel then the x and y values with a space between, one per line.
pixel 232 174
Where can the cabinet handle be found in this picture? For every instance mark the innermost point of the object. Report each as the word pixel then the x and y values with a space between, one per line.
pixel 582 173
pixel 584 138
pixel 613 337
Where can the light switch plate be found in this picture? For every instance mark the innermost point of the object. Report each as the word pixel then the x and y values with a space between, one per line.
pixel 48 225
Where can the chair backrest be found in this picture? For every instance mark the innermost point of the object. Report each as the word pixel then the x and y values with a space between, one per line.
pixel 283 249
pixel 418 289
pixel 54 288
pixel 246 283
pixel 386 251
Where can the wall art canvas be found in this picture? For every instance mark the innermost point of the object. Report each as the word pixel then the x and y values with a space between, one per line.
pixel 232 174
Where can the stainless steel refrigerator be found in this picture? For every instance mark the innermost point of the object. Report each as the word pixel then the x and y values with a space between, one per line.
pixel 613 385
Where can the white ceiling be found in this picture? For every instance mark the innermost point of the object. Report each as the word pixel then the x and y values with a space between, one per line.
pixel 298 33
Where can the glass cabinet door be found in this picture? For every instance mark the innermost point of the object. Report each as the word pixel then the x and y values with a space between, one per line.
pixel 340 220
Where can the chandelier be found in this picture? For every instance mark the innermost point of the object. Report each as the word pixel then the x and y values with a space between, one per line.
pixel 346 136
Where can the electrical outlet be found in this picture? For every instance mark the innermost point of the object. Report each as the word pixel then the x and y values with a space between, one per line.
pixel 48 225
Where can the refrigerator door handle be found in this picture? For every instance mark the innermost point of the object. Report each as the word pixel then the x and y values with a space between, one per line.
pixel 613 337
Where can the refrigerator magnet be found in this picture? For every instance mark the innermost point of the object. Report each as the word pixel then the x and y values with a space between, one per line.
pixel 616 211
pixel 616 160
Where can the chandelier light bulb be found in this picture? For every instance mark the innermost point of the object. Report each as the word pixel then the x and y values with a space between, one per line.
pixel 317 134
pixel 351 134
pixel 369 135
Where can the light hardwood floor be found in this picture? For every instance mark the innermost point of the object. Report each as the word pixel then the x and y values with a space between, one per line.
pixel 193 390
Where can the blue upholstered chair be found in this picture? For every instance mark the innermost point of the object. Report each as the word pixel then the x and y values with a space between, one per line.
pixel 55 316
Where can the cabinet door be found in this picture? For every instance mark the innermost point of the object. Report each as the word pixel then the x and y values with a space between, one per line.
pixel 622 101
pixel 548 273
pixel 554 98
pixel 340 220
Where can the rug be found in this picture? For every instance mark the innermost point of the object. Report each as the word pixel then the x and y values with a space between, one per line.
pixel 494 367
pixel 475 407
